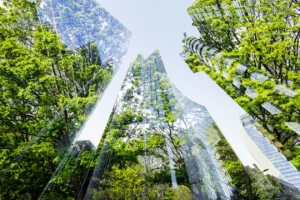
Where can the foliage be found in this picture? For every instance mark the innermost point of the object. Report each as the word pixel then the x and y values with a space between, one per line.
pixel 296 159
pixel 265 36
pixel 182 192
pixel 125 183
pixel 264 186
pixel 250 183
pixel 135 143
pixel 46 93
pixel 126 177
pixel 239 177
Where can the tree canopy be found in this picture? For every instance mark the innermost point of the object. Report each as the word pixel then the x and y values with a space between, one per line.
pixel 264 37
pixel 47 93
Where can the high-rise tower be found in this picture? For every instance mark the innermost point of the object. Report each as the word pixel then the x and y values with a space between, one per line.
pixel 271 147
pixel 79 24
pixel 250 68
pixel 169 138
pixel 234 51
pixel 160 144
pixel 85 21
pixel 63 55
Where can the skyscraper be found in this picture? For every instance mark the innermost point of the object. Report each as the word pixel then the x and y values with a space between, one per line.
pixel 81 22
pixel 254 75
pixel 70 52
pixel 271 149
pixel 262 79
pixel 166 133
pixel 160 144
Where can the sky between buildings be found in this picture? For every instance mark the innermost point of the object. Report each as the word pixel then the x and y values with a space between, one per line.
pixel 160 24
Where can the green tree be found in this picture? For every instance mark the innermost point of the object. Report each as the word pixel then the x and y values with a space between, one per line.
pixel 134 161
pixel 46 94
pixel 249 183
pixel 239 177
pixel 264 36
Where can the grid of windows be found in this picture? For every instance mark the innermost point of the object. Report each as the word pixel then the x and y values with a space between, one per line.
pixel 77 28
pixel 287 170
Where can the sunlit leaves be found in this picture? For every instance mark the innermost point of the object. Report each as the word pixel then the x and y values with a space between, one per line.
pixel 40 81
pixel 263 35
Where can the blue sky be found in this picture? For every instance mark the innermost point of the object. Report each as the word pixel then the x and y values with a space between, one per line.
pixel 160 24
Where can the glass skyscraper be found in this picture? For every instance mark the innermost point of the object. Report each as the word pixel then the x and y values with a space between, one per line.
pixel 268 79
pixel 160 144
pixel 84 27
pixel 85 21
pixel 211 57
pixel 257 84
pixel 171 140
pixel 75 48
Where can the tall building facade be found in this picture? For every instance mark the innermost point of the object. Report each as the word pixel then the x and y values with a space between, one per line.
pixel 254 76
pixel 271 147
pixel 74 47
pixel 82 22
pixel 84 27
pixel 159 144
pixel 168 133
pixel 241 68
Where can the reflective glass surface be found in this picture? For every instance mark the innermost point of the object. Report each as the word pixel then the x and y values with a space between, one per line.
pixel 160 137
pixel 288 171
pixel 271 108
pixel 294 126
pixel 286 91
pixel 83 21
pixel 72 50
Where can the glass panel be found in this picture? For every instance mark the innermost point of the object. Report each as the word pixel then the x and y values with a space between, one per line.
pixel 286 169
pixel 247 119
pixel 204 14
pixel 271 108
pixel 258 76
pixel 241 68
pixel 84 22
pixel 238 8
pixel 209 12
pixel 203 52
pixel 198 47
pixel 226 9
pixel 251 93
pixel 286 91
pixel 218 56
pixel 211 52
pixel 191 43
pixel 294 126
pixel 225 74
pixel 236 82
pixel 217 11
pixel 228 61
